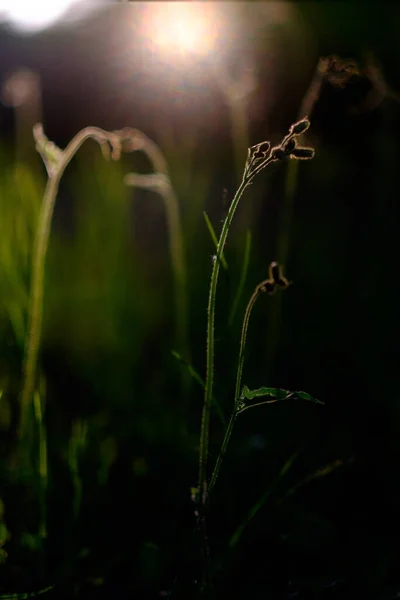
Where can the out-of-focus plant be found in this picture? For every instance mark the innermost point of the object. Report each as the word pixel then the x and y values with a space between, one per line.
pixel 19 206
pixel 337 73
pixel 56 161
pixel 160 182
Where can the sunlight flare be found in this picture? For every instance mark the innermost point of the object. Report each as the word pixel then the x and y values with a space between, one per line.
pixel 181 27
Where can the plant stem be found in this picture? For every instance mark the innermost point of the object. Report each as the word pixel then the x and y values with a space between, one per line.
pixel 205 423
pixel 36 299
pixel 258 157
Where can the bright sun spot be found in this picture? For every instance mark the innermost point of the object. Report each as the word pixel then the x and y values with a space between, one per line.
pixel 183 27
pixel 33 14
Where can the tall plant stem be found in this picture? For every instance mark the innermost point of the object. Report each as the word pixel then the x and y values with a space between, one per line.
pixel 205 423
pixel 260 288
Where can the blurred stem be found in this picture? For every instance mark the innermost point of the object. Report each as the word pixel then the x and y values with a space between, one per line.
pixel 240 133
pixel 160 182
pixel 292 172
pixel 36 299
pixel 236 403
pixel 56 162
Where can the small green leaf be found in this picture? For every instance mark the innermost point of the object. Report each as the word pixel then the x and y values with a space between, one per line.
pixel 274 394
pixel 214 238
pixel 192 371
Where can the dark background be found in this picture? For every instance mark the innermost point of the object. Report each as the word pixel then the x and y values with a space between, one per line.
pixel 122 416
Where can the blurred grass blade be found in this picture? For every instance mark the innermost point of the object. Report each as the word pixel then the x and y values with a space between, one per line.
pixel 243 275
pixel 192 371
pixel 260 503
pixel 28 595
pixel 214 238
pixel 321 472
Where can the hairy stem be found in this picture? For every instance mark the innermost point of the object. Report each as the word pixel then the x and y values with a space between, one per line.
pixel 205 423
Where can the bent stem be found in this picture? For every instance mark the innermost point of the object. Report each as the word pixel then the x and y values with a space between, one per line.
pixel 56 161
pixel 160 182
pixel 236 405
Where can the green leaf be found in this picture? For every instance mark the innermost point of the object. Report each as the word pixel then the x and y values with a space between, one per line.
pixel 275 394
pixel 214 238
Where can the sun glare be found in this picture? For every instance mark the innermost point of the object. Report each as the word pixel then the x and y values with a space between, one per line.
pixel 33 14
pixel 181 27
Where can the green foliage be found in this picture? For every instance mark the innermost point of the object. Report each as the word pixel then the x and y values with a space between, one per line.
pixel 276 394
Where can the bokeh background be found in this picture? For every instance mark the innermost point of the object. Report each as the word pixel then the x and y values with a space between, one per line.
pixel 306 505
